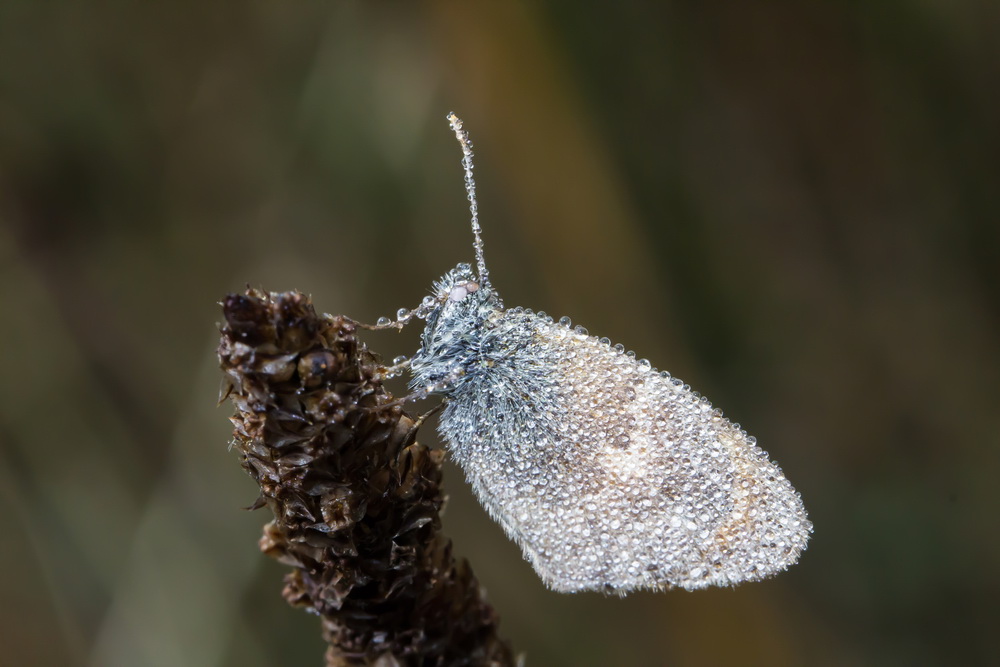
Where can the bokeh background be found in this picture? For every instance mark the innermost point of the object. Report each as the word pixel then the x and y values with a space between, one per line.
pixel 792 206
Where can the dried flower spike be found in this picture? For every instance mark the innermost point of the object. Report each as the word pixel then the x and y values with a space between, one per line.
pixel 355 498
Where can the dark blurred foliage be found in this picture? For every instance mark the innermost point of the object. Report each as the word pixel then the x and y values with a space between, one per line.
pixel 791 206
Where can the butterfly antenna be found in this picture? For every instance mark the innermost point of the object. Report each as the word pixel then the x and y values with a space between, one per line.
pixel 470 189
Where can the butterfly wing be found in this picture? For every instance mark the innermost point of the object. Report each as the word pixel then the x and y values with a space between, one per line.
pixel 610 475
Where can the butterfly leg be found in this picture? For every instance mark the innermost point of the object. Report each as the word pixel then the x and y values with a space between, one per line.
pixel 385 323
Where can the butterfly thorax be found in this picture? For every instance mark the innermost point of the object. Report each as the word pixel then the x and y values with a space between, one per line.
pixel 485 361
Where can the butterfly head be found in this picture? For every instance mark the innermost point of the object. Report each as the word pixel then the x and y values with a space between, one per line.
pixel 450 343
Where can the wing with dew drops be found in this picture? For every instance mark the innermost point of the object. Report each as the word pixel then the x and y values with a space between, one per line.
pixel 610 475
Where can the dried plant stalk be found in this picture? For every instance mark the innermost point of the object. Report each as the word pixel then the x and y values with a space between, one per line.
pixel 355 498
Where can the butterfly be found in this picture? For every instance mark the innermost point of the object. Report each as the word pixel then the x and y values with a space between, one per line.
pixel 609 474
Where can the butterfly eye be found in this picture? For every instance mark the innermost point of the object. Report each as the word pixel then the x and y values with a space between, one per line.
pixel 459 292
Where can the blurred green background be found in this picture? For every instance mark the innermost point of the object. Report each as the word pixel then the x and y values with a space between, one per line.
pixel 792 206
